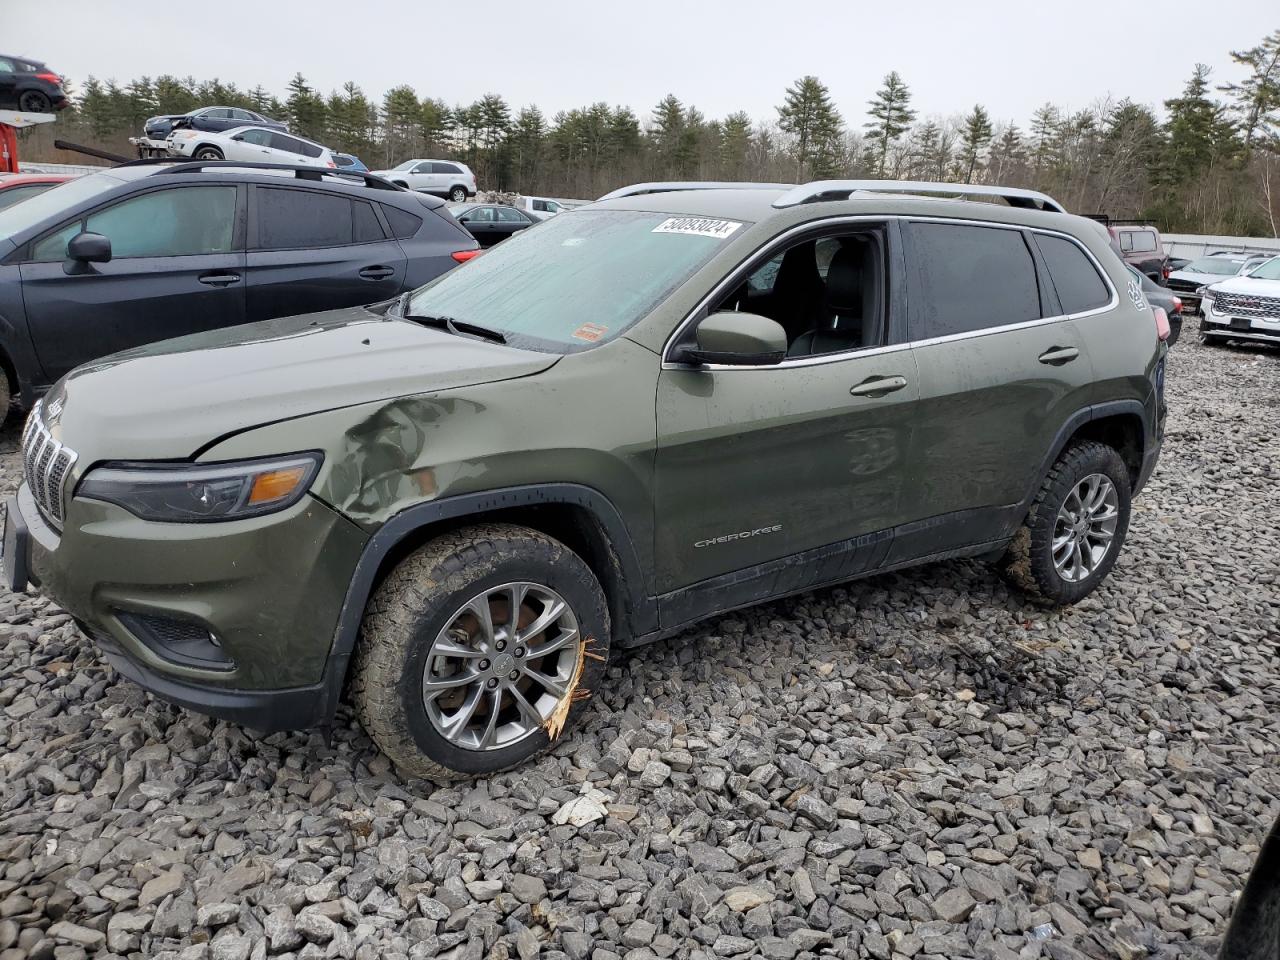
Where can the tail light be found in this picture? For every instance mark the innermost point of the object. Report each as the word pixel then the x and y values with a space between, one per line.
pixel 331 165
pixel 1177 304
pixel 1166 271
pixel 1163 330
pixel 50 78
pixel 462 256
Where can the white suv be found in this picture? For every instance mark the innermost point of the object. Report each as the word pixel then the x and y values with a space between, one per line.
pixel 444 178
pixel 248 143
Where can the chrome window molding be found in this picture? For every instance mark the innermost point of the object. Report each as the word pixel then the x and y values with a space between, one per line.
pixel 739 273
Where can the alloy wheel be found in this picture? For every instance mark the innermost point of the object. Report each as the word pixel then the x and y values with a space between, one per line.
pixel 498 669
pixel 1085 527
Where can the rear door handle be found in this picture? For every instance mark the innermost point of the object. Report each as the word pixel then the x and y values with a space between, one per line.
pixel 878 386
pixel 220 279
pixel 1056 356
pixel 376 273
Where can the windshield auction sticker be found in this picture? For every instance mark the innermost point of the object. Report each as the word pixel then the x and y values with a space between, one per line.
pixel 698 227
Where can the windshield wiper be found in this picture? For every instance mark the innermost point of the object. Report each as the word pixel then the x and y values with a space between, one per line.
pixel 458 328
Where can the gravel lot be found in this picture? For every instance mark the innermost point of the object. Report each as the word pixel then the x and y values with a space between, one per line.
pixel 914 765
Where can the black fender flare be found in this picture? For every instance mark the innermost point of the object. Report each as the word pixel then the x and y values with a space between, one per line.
pixel 642 608
pixel 1073 423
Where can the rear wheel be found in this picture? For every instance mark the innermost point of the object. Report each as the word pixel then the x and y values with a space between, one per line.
pixel 1075 528
pixel 458 194
pixel 475 649
pixel 209 153
pixel 33 101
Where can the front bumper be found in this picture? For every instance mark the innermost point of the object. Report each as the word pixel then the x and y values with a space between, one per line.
pixel 268 591
pixel 1240 328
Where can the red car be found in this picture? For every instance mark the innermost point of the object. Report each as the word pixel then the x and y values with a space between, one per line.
pixel 19 186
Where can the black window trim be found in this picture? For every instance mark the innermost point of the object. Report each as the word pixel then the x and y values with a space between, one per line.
pixel 254 226
pixel 239 228
pixel 897 267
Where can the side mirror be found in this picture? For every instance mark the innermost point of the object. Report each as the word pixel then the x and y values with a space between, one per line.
pixel 89 248
pixel 739 339
pixel 238 137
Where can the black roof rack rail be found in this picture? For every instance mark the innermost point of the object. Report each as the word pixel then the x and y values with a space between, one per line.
pixel 300 171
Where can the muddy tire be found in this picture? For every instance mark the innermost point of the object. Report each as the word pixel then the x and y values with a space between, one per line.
pixel 1075 528
pixel 447 682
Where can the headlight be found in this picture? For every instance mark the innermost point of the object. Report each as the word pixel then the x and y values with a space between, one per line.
pixel 202 493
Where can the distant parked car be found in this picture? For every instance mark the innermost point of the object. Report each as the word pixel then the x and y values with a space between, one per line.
pixel 539 208
pixel 350 163
pixel 1140 246
pixel 1188 281
pixel 135 254
pixel 30 86
pixel 491 223
pixel 20 186
pixel 249 143
pixel 211 119
pixel 1244 307
pixel 443 178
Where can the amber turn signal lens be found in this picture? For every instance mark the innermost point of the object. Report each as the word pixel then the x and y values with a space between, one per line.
pixel 275 485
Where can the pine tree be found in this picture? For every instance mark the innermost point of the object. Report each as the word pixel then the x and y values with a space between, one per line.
pixel 1192 128
pixel 1044 137
pixel 974 139
pixel 891 116
pixel 1257 99
pixel 400 109
pixel 307 113
pixel 1008 154
pixel 809 116
pixel 735 141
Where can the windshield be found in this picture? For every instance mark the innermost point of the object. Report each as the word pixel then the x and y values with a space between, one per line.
pixel 576 280
pixel 35 210
pixel 407 165
pixel 1219 265
pixel 1268 270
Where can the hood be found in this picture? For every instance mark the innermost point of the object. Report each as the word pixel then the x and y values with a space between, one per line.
pixel 1248 286
pixel 168 400
pixel 1195 276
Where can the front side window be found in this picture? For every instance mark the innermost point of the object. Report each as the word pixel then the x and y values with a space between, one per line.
pixel 260 138
pixel 6 66
pixel 421 168
pixel 577 280
pixel 297 219
pixel 1075 278
pixel 968 278
pixel 827 294
pixel 180 222
pixel 217 114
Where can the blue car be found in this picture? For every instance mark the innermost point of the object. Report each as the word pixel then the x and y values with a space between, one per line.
pixel 346 161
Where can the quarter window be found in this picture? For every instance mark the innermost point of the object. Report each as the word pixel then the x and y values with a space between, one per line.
pixel 968 278
pixel 184 222
pixel 403 223
pixel 1079 286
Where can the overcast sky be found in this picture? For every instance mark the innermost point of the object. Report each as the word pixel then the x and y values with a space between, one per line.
pixel 719 55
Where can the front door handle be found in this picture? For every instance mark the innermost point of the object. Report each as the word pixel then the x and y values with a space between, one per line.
pixel 878 386
pixel 220 279
pixel 376 273
pixel 1056 356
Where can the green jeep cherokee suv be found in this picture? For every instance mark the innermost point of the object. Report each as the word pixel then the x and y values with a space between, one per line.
pixel 679 400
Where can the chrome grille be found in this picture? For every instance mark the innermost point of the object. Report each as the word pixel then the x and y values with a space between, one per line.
pixel 1243 305
pixel 46 464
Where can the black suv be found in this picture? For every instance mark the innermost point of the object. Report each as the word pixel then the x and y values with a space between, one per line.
pixel 30 86
pixel 147 251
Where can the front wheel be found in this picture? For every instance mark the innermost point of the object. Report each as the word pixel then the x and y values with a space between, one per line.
pixel 458 194
pixel 1076 526
pixel 476 649
pixel 1209 339
pixel 209 153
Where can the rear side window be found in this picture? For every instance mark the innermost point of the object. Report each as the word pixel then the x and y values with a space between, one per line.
pixel 969 278
pixel 292 219
pixel 1076 279
pixel 293 145
pixel 403 223
pixel 365 225
pixel 444 168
